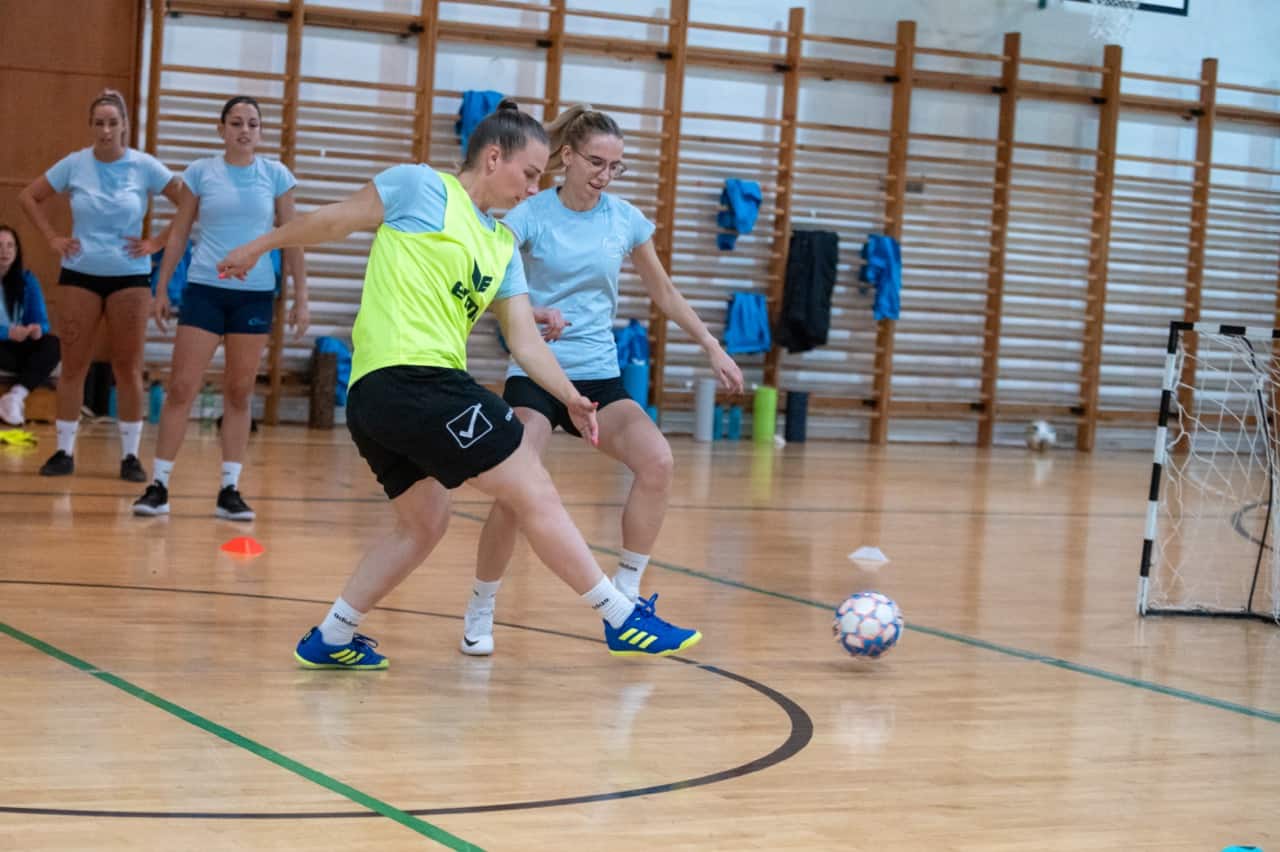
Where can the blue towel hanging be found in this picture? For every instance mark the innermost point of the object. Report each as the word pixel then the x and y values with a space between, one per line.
pixel 476 104
pixel 337 347
pixel 742 199
pixel 747 327
pixel 178 281
pixel 883 268
pixel 633 343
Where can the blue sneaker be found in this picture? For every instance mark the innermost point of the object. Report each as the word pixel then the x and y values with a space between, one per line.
pixel 358 654
pixel 644 634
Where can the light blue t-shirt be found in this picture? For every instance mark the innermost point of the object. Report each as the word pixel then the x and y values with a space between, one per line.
pixel 237 205
pixel 108 201
pixel 573 259
pixel 413 201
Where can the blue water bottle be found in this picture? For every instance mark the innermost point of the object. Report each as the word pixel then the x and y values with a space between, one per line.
pixel 155 401
pixel 735 423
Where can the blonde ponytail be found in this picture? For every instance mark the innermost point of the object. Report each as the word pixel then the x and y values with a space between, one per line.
pixel 574 127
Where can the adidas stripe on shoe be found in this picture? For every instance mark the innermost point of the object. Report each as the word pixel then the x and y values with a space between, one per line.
pixel 643 634
pixel 358 654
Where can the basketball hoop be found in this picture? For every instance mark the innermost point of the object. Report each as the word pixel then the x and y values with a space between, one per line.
pixel 1112 19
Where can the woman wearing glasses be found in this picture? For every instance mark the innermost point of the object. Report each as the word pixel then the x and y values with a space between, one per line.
pixel 573 238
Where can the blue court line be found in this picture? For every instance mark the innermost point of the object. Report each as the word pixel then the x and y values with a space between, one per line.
pixel 409 821
pixel 1031 656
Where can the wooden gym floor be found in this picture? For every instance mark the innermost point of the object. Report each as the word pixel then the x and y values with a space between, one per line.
pixel 151 700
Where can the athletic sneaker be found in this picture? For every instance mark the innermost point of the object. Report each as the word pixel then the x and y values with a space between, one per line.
pixel 357 655
pixel 231 506
pixel 644 634
pixel 59 464
pixel 477 632
pixel 131 469
pixel 154 501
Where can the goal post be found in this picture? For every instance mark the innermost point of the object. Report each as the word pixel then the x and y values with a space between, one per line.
pixel 1210 537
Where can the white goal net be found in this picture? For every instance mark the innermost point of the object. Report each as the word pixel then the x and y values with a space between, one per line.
pixel 1211 533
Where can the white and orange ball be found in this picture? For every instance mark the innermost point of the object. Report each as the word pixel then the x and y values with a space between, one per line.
pixel 867 624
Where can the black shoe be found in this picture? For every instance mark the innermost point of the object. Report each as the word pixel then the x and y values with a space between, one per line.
pixel 231 506
pixel 154 501
pixel 131 469
pixel 59 464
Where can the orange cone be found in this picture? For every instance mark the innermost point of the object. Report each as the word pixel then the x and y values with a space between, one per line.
pixel 246 546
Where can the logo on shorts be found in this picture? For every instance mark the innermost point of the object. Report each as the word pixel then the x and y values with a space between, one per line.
pixel 469 426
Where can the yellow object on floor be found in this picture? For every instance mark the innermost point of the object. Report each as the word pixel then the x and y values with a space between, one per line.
pixel 17 438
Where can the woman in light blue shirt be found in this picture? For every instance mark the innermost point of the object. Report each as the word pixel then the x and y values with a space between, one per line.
pixel 573 239
pixel 106 271
pixel 237 197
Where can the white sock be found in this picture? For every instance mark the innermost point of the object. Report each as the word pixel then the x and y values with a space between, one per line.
pixel 231 474
pixel 130 437
pixel 610 604
pixel 630 571
pixel 19 392
pixel 483 594
pixel 340 624
pixel 66 430
pixel 163 470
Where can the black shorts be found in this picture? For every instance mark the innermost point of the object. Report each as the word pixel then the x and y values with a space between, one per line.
pixel 223 310
pixel 524 392
pixel 103 285
pixel 411 423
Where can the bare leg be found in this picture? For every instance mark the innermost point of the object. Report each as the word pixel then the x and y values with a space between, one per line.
pixel 422 516
pixel 127 312
pixel 523 485
pixel 628 435
pixel 193 349
pixel 79 311
pixel 244 352
pixel 498 538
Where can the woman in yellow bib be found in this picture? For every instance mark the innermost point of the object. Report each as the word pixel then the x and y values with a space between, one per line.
pixel 420 421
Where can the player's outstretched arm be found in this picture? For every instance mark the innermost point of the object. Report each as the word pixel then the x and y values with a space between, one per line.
pixel 664 294
pixel 515 315
pixel 360 212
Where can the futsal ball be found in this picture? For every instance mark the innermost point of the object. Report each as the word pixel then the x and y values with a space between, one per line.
pixel 867 624
pixel 1041 435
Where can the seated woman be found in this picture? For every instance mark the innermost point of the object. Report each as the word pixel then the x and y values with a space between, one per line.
pixel 26 346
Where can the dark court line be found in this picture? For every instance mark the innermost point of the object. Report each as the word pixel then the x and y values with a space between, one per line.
pixel 798 737
pixel 419 826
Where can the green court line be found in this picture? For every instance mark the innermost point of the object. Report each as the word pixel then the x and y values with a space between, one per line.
pixel 1030 656
pixel 409 821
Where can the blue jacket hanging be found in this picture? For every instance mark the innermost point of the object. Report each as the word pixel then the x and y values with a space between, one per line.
pixel 883 268
pixel 476 104
pixel 633 343
pixel 747 327
pixel 179 279
pixel 742 199
pixel 337 347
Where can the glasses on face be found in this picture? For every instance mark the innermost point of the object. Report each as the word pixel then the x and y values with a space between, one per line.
pixel 616 169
